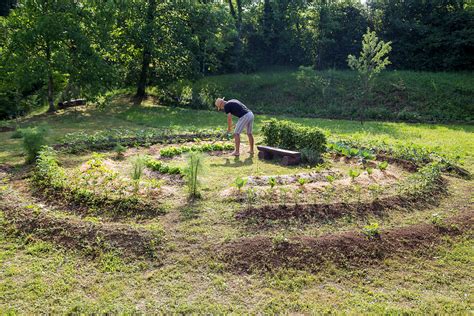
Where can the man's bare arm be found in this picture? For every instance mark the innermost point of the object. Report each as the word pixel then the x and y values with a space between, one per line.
pixel 229 122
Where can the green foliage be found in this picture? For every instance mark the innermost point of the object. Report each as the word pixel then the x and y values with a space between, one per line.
pixel 193 171
pixel 94 186
pixel 372 230
pixel 48 173
pixel 354 173
pixel 302 181
pixel 272 182
pixel 383 166
pixel 175 151
pixel 289 135
pixel 396 96
pixel 138 164
pixel 373 57
pixel 369 171
pixel 425 180
pixel 159 166
pixel 107 139
pixel 437 220
pixel 34 138
pixel 119 151
pixel 310 156
pixel 239 183
pixel 372 60
pixel 349 151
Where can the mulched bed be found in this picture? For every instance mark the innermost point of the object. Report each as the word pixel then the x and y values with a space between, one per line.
pixel 344 249
pixel 289 179
pixel 305 212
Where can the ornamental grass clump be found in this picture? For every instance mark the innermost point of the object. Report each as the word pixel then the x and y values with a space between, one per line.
pixel 192 172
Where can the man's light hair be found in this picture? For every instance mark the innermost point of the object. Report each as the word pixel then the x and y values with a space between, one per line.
pixel 219 103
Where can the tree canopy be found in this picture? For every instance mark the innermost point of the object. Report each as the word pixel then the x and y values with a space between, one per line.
pixel 53 50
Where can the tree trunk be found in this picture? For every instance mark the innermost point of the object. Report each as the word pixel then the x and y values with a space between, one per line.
pixel 238 25
pixel 146 56
pixel 51 107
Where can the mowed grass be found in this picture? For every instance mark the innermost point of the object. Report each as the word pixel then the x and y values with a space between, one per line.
pixel 43 277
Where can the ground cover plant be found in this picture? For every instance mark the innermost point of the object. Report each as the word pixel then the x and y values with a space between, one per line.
pixel 200 250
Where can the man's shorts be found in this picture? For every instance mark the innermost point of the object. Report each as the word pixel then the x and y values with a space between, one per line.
pixel 246 122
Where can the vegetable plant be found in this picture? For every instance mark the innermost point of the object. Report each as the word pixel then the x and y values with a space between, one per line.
pixel 272 182
pixel 372 230
pixel 383 166
pixel 239 183
pixel 354 173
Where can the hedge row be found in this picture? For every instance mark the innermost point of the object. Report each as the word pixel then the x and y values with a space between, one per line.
pixel 293 136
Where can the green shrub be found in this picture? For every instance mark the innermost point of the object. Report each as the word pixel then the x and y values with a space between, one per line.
pixel 48 173
pixel 34 138
pixel 289 135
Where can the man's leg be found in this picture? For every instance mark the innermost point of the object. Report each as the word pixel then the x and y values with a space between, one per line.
pixel 237 145
pixel 249 133
pixel 239 127
pixel 251 143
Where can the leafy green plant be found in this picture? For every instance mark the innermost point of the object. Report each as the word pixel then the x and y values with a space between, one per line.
pixel 193 170
pixel 302 181
pixel 372 230
pixel 159 166
pixel 369 171
pixel 34 138
pixel 280 240
pixel 239 183
pixel 354 173
pixel 272 182
pixel 251 197
pixel 437 219
pixel 330 178
pixel 383 166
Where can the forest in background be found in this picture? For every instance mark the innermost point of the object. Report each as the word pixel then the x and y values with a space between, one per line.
pixel 56 50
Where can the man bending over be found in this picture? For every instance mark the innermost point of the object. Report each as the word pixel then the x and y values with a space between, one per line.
pixel 237 108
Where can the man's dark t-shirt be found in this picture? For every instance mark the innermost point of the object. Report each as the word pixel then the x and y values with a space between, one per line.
pixel 235 107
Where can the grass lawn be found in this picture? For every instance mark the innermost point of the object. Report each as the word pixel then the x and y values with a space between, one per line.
pixel 42 276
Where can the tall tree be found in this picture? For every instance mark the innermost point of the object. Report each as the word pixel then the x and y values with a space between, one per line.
pixel 147 48
pixel 48 48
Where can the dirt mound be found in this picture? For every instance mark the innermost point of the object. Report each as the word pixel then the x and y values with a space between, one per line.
pixel 345 249
pixel 336 210
pixel 75 233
